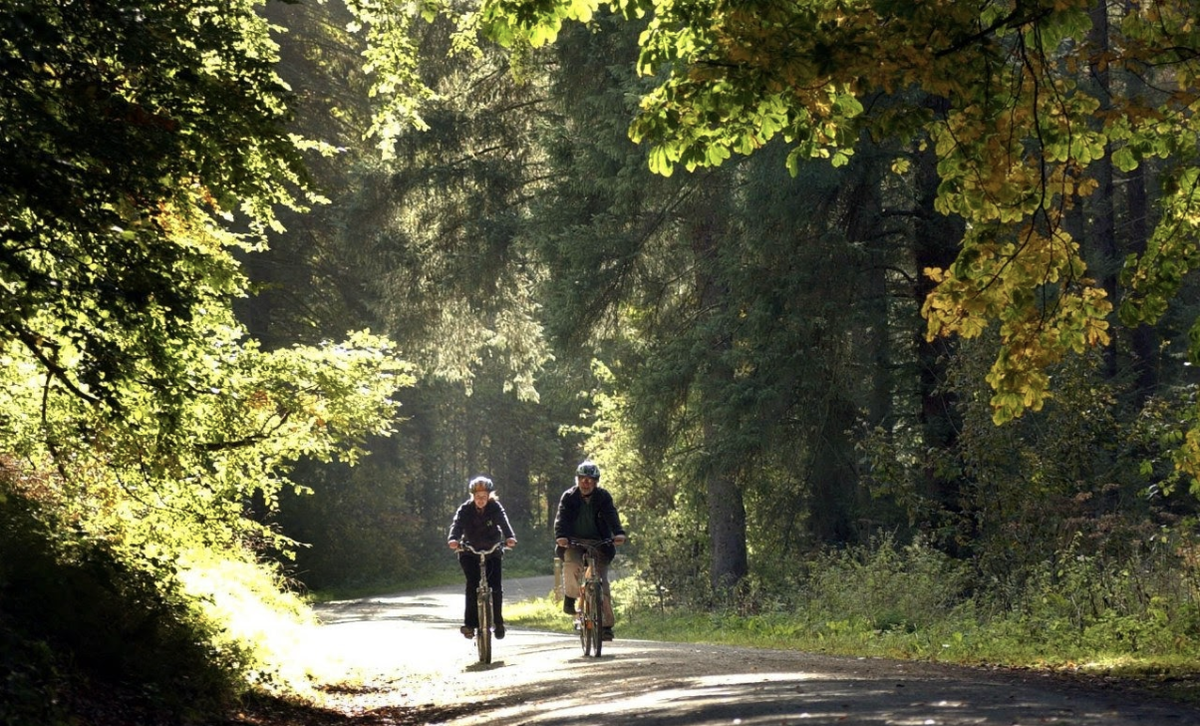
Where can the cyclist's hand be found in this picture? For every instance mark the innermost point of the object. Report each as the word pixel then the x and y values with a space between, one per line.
pixel 511 542
pixel 453 544
pixel 561 542
pixel 619 539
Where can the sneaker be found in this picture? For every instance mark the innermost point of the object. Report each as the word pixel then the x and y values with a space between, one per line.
pixel 569 605
pixel 467 631
pixel 606 634
pixel 498 631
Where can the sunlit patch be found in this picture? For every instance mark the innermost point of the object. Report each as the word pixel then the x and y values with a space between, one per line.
pixel 740 695
pixel 739 679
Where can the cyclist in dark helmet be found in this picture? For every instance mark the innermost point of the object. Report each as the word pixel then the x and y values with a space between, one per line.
pixel 586 511
pixel 481 522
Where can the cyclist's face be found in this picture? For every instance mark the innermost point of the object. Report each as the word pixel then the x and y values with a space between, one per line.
pixel 481 497
pixel 586 484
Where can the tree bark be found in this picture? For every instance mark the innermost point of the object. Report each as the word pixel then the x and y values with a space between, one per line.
pixel 935 244
pixel 1145 339
pixel 726 508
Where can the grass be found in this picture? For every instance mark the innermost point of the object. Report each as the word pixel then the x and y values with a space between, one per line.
pixel 543 613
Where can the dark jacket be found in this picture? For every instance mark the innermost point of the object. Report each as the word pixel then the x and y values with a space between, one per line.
pixel 608 521
pixel 481 529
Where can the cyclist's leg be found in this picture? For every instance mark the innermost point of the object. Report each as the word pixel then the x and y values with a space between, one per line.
pixel 572 570
pixel 495 581
pixel 470 568
pixel 609 619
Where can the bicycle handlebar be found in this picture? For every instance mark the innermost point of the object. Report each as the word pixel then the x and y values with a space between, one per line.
pixel 467 546
pixel 588 543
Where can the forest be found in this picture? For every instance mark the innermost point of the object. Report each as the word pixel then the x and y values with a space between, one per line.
pixel 835 292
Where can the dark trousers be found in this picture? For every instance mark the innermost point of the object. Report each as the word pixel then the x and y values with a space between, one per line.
pixel 470 568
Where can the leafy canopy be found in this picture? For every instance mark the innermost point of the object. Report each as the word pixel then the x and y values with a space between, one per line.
pixel 141 144
pixel 1000 92
pixel 131 132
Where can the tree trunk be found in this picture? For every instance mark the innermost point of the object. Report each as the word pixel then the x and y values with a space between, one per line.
pixel 726 509
pixel 726 527
pixel 936 241
pixel 1145 340
pixel 832 480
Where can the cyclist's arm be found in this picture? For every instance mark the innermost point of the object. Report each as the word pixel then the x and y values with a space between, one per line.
pixel 561 519
pixel 608 510
pixel 456 529
pixel 510 537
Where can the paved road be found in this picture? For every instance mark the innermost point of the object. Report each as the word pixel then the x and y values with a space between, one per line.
pixel 406 649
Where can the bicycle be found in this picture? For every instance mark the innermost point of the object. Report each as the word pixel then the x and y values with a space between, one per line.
pixel 589 620
pixel 483 600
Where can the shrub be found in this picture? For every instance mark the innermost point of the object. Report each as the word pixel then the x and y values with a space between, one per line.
pixel 1140 603
pixel 891 587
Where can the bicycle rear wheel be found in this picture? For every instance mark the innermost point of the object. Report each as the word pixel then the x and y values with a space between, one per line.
pixel 483 634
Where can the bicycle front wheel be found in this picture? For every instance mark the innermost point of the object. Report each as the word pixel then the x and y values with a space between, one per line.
pixel 585 638
pixel 483 634
pixel 595 606
pixel 589 633
pixel 583 621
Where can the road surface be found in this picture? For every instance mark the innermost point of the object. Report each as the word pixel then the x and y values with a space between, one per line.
pixel 406 655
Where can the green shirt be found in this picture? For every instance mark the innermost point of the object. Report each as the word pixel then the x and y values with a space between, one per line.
pixel 585 522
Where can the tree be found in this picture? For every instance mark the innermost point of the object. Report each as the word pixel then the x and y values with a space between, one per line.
pixel 306 285
pixel 142 144
pixel 1014 128
pixel 122 150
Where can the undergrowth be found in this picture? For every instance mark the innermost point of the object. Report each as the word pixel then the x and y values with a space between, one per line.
pixel 83 629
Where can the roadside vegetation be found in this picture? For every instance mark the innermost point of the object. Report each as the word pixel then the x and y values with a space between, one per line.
pixel 1133 621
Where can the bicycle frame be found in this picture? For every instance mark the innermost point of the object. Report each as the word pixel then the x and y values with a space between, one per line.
pixel 483 601
pixel 590 618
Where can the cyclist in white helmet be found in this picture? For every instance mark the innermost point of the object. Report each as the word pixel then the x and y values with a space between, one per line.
pixel 482 522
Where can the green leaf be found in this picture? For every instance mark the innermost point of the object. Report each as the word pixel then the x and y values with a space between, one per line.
pixel 1124 159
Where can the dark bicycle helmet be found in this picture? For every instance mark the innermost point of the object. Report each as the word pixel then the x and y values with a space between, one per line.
pixel 481 483
pixel 589 469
